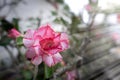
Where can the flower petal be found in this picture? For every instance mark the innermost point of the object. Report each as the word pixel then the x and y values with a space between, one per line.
pixel 64 36
pixel 45 31
pixel 48 60
pixel 53 51
pixel 30 53
pixel 64 41
pixel 37 60
pixel 28 39
pixel 71 75
pixel 57 58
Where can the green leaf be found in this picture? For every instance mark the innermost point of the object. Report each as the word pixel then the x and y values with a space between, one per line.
pixel 54 13
pixel 57 20
pixel 19 40
pixel 4 41
pixel 64 21
pixel 27 75
pixel 60 1
pixel 16 23
pixel 48 71
pixel 66 7
pixel 61 20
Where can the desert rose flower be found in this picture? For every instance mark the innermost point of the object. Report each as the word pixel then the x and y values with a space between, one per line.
pixel 44 44
pixel 88 7
pixel 71 75
pixel 13 33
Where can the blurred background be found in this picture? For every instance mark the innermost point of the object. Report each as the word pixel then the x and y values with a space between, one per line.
pixel 94 20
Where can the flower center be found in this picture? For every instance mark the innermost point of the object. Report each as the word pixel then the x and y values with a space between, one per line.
pixel 47 44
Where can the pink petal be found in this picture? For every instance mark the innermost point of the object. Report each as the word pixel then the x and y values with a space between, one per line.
pixel 64 45
pixel 48 60
pixel 71 75
pixel 30 53
pixel 64 41
pixel 51 60
pixel 57 58
pixel 53 51
pixel 64 36
pixel 37 60
pixel 45 31
pixel 28 38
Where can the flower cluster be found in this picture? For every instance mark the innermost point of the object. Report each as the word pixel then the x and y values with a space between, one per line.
pixel 44 44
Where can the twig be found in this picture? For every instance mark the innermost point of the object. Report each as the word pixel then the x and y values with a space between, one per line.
pixel 11 55
pixel 35 72
pixel 14 68
pixel 84 44
pixel 9 4
pixel 69 66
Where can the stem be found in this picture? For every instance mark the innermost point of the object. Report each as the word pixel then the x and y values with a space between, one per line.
pixel 15 62
pixel 35 72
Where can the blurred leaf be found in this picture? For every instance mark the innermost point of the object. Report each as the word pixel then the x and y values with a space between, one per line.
pixel 16 23
pixel 57 20
pixel 54 13
pixel 60 1
pixel 6 25
pixel 61 20
pixel 66 7
pixel 4 41
pixel 19 40
pixel 31 18
pixel 27 74
pixel 48 71
pixel 64 22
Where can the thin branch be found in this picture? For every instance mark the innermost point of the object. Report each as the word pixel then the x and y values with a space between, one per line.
pixel 35 72
pixel 9 4
pixel 11 55
pixel 61 71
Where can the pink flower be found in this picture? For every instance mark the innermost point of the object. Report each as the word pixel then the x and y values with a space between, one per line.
pixel 51 60
pixel 13 33
pixel 71 75
pixel 46 44
pixel 88 7
pixel 115 36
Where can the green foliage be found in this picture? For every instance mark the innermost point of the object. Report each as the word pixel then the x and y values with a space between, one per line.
pixel 6 25
pixel 4 41
pixel 48 71
pixel 60 1
pixel 60 20
pixel 27 75
pixel 66 7
pixel 54 13
pixel 16 23
pixel 19 41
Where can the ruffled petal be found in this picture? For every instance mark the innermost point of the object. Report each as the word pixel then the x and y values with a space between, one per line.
pixel 64 41
pixel 53 51
pixel 48 60
pixel 28 39
pixel 64 45
pixel 45 31
pixel 37 60
pixel 64 36
pixel 57 58
pixel 71 75
pixel 30 53
pixel 51 60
